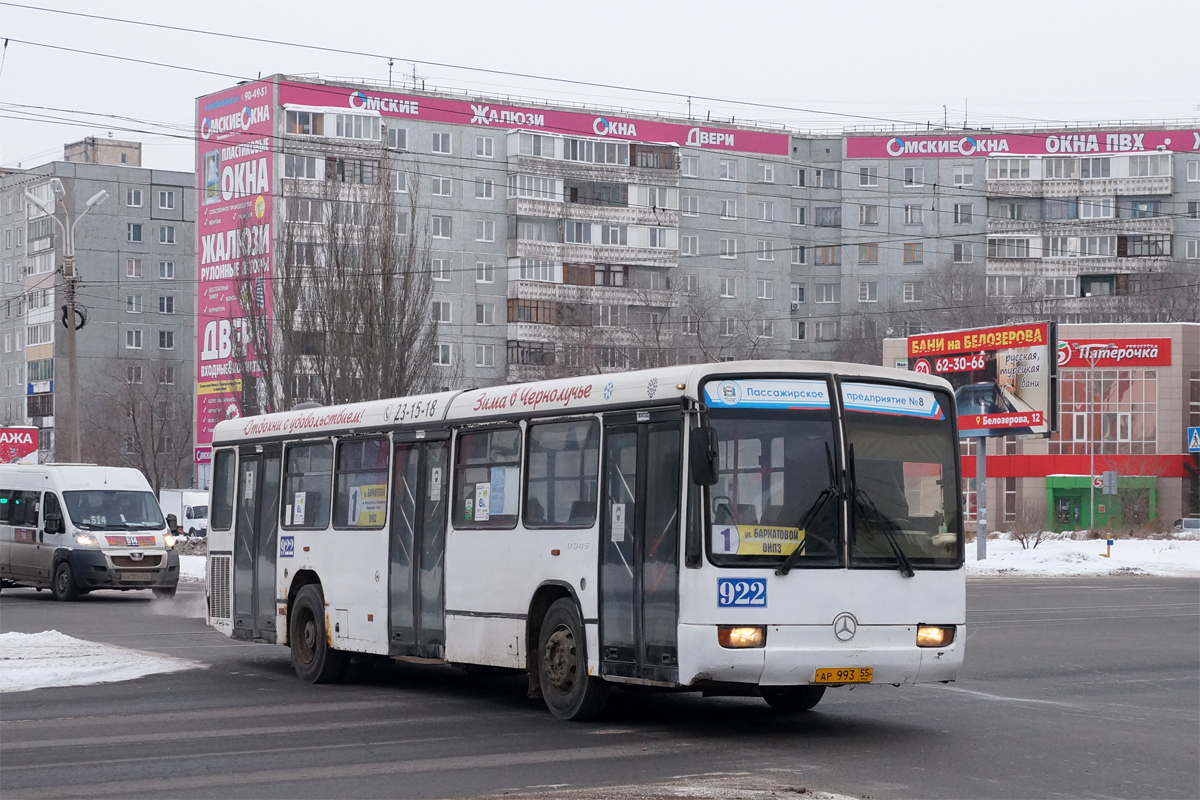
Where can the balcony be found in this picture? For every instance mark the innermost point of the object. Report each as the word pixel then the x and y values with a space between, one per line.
pixel 588 212
pixel 1071 267
pixel 1093 187
pixel 617 173
pixel 592 254
pixel 589 295
pixel 1082 227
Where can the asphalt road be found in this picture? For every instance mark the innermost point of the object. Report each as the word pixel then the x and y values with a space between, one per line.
pixel 1072 688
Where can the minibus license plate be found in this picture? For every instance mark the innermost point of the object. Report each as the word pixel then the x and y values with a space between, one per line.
pixel 137 576
pixel 844 675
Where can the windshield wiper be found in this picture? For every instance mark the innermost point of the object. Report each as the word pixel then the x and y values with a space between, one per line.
pixel 829 492
pixel 886 524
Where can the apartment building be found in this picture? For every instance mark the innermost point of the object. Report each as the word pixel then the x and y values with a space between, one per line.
pixel 136 299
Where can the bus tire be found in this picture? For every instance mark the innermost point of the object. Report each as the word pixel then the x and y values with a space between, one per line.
pixel 570 693
pixel 164 592
pixel 792 698
pixel 64 587
pixel 312 657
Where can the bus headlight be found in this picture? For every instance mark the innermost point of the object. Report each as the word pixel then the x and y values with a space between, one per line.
pixel 168 540
pixel 87 539
pixel 742 636
pixel 934 635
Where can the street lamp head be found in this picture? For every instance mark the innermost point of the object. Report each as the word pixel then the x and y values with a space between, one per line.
pixel 32 198
pixel 56 186
pixel 98 198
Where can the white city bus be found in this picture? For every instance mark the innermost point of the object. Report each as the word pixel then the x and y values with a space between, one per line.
pixel 762 528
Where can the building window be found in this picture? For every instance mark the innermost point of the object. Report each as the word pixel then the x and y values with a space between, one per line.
pixel 441 226
pixel 1008 168
pixel 690 167
pixel 1005 285
pixel 868 176
pixel 828 293
pixel 306 123
pixel 1192 249
pixel 166 270
pixel 533 269
pixel 485 272
pixel 691 284
pixel 766 211
pixel 868 253
pixel 728 248
pixel 1096 207
pixel 133 232
pixel 689 325
pixel 441 268
pixel 441 143
pixel 868 215
pixel 868 292
pixel 962 253
pixel 728 326
pixel 133 268
pixel 914 176
pixel 608 316
pixel 166 340
pixel 827 255
pixel 133 339
pixel 798 330
pixel 962 213
pixel 485 230
pixel 964 174
pixel 766 173
pixel 133 373
pixel 441 355
pixel 485 314
pixel 485 355
pixel 441 311
pixel 689 245
pixel 799 254
pixel 827 179
pixel 166 234
pixel 798 215
pixel 729 209
pixel 1060 287
pixel 1012 211
pixel 912 292
pixel 133 304
pixel 485 147
pixel 914 252
pixel 614 234
pixel 799 175
pixel 766 289
pixel 689 206
pixel 441 186
pixel 797 293
pixel 166 375
pixel 1091 168
pixel 1008 248
pixel 913 214
pixel 658 237
pixel 166 304
pixel 728 169
pixel 827 217
pixel 166 200
pixel 485 188
pixel 766 328
pixel 828 331
pixel 1144 209
pixel 727 286
pixel 766 250
pixel 133 198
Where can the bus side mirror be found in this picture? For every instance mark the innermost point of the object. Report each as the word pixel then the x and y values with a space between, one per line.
pixel 702 456
pixel 55 525
pixel 172 522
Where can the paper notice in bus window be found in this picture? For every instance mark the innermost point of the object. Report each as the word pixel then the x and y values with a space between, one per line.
pixel 755 540
pixel 298 506
pixel 483 502
pixel 617 534
pixel 435 483
pixel 505 487
pixel 287 517
pixel 367 506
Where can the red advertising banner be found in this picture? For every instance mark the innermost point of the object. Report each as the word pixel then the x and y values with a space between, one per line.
pixel 487 115
pixel 233 247
pixel 1003 377
pixel 1124 353
pixel 988 143
pixel 18 445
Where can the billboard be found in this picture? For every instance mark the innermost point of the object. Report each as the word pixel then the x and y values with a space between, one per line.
pixel 18 445
pixel 994 143
pixel 233 249
pixel 489 115
pixel 1122 353
pixel 1003 378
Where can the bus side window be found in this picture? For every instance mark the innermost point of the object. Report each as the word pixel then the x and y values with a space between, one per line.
pixel 487 480
pixel 308 476
pixel 223 483
pixel 6 505
pixel 362 476
pixel 564 464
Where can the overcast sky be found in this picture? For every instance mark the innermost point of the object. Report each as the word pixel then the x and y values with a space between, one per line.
pixel 819 66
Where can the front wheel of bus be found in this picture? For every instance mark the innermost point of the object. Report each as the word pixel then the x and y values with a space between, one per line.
pixel 64 587
pixel 792 698
pixel 314 660
pixel 569 692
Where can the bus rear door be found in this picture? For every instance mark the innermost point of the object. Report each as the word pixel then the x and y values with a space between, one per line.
pixel 639 537
pixel 256 542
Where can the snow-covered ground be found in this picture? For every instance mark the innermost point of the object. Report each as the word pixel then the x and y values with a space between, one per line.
pixel 1083 557
pixel 38 660
pixel 193 568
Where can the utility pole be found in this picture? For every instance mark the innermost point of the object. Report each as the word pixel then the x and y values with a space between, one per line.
pixel 70 279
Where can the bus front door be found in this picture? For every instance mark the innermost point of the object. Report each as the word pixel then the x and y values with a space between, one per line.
pixel 639 536
pixel 417 543
pixel 255 544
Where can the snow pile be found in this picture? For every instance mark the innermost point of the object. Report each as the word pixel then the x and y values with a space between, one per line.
pixel 37 660
pixel 193 568
pixel 1074 557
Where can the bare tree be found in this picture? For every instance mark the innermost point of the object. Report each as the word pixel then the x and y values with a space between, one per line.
pixel 141 420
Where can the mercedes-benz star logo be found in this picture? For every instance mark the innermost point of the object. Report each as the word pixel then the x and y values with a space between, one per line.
pixel 845 626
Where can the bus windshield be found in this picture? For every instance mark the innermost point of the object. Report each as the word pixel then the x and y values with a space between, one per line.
pixel 904 509
pixel 775 490
pixel 113 510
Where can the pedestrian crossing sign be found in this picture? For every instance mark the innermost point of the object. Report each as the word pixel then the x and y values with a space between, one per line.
pixel 1194 440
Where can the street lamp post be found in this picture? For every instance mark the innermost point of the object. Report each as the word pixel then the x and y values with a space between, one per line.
pixel 70 279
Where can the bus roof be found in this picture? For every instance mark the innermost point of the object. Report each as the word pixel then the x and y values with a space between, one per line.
pixel 589 393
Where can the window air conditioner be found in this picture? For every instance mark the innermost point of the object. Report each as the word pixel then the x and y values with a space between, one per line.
pixel 795 306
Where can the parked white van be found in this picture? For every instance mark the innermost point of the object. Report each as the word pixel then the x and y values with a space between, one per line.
pixel 73 528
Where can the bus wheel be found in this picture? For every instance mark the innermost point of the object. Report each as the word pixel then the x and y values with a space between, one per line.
pixel 312 657
pixel 569 692
pixel 64 582
pixel 164 593
pixel 792 698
